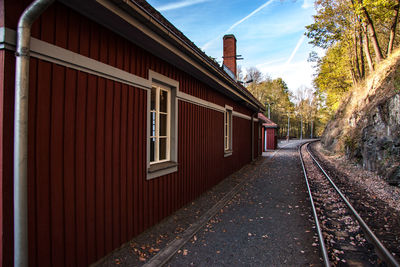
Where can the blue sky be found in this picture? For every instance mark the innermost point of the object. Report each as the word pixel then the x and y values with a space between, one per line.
pixel 270 34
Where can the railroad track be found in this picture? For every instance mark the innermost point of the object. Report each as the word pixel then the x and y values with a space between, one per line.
pixel 342 233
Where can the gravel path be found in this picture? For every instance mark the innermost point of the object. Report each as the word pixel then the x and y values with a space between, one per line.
pixel 267 224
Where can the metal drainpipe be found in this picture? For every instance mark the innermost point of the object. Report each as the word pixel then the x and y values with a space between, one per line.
pixel 252 137
pixel 31 13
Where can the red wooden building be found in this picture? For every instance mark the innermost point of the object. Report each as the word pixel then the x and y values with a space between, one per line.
pixel 269 133
pixel 127 122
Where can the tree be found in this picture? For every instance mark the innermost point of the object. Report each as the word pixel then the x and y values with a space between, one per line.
pixel 352 32
pixel 393 27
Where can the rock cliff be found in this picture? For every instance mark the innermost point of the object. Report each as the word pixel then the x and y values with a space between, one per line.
pixel 366 127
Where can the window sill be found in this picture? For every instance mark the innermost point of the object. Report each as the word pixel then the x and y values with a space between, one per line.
pixel 228 153
pixel 161 169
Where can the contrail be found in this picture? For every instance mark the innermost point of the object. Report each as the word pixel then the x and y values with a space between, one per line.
pixel 295 50
pixel 180 4
pixel 238 23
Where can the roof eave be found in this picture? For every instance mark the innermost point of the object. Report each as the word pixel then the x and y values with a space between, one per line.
pixel 173 49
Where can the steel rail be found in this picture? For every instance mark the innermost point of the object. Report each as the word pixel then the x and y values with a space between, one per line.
pixel 319 231
pixel 382 251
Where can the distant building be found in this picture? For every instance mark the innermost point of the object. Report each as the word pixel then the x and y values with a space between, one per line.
pixel 269 133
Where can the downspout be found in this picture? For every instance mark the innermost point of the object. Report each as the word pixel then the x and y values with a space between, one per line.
pixel 31 13
pixel 252 137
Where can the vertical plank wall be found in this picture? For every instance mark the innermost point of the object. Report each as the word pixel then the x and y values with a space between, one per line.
pixel 7 74
pixel 87 188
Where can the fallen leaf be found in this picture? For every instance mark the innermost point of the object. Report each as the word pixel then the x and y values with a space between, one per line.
pixel 142 259
pixel 185 252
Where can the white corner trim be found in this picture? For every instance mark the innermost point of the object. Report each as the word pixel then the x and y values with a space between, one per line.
pixel 55 54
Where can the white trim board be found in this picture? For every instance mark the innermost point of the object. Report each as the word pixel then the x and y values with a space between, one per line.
pixel 200 102
pixel 55 54
pixel 204 103
pixel 241 115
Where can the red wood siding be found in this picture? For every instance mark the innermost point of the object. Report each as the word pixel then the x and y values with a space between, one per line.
pixel 7 74
pixel 87 156
pixel 64 27
pixel 87 188
pixel 255 138
pixel 271 138
pixel 81 165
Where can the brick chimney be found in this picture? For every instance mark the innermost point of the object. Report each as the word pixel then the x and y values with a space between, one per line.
pixel 230 53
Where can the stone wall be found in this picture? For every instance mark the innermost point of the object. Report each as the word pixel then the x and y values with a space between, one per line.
pixel 366 128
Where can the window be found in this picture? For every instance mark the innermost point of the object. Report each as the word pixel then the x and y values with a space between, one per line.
pixel 160 124
pixel 228 131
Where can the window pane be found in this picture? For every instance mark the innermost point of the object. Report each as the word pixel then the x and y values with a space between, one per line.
pixel 163 125
pixel 152 123
pixel 153 98
pixel 163 148
pixel 163 101
pixel 152 149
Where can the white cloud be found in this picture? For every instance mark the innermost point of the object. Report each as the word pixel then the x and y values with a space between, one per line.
pixel 296 74
pixel 205 46
pixel 181 4
pixel 307 4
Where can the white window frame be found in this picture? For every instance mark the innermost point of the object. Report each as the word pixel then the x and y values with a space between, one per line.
pixel 159 88
pixel 170 164
pixel 228 126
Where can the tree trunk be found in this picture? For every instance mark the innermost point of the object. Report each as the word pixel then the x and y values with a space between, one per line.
pixel 367 52
pixel 360 39
pixel 357 63
pixel 353 73
pixel 372 33
pixel 393 28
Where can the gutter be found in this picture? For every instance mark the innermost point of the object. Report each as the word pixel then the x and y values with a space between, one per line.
pixel 200 56
pixel 30 14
